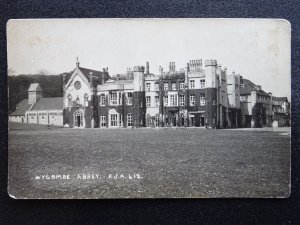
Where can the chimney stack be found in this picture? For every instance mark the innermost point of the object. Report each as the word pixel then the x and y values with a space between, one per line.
pixel 147 67
pixel 64 80
pixel 103 76
pixel 91 79
pixel 172 66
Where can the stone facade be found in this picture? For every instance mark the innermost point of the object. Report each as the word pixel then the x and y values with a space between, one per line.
pixel 199 95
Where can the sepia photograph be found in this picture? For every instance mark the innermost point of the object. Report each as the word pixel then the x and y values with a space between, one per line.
pixel 149 108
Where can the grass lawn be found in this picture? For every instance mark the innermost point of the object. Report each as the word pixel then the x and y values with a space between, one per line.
pixel 160 162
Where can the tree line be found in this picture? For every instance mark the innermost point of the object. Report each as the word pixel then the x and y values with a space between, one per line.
pixel 52 86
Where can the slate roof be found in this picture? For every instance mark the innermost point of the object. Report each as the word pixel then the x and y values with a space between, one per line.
pixel 21 108
pixel 35 87
pixel 49 104
pixel 250 86
pixel 97 74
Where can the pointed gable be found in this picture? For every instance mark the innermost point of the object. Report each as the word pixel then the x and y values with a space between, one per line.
pixel 35 87
pixel 97 75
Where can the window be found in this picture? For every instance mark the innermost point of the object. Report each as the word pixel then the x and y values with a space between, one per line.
pixel 173 100
pixel 120 120
pixel 102 99
pixel 202 99
pixel 173 86
pixel 120 98
pixel 148 101
pixel 165 100
pixel 86 100
pixel 129 98
pixel 202 83
pixel 114 120
pixel 243 98
pixel 148 86
pixel 103 121
pixel 192 84
pixel 166 86
pixel 156 87
pixel 181 85
pixel 192 100
pixel 156 100
pixel 70 100
pixel 113 98
pixel 156 120
pixel 181 100
pixel 129 120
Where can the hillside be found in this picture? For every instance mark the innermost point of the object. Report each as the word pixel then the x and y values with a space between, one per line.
pixel 18 86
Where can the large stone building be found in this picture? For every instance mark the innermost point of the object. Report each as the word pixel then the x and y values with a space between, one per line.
pixel 195 96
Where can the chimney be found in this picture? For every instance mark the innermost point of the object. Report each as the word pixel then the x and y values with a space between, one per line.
pixel 91 79
pixel 186 74
pixel 77 62
pixel 64 80
pixel 172 66
pixel 147 67
pixel 103 76
pixel 161 70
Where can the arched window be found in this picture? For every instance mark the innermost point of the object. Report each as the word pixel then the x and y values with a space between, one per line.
pixel 86 99
pixel 70 100
pixel 77 101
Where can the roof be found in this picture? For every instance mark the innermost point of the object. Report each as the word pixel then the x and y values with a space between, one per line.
pixel 35 87
pixel 49 104
pixel 250 86
pixel 284 99
pixel 123 81
pixel 97 74
pixel 21 108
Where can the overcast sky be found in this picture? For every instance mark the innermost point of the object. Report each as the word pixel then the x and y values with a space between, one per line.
pixel 259 50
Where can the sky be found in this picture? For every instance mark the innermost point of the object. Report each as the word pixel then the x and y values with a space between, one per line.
pixel 257 49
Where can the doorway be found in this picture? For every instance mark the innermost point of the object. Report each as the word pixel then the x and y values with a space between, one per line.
pixel 202 121
pixel 78 119
pixel 197 121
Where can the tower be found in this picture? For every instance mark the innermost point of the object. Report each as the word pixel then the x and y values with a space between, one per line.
pixel 211 93
pixel 138 97
pixel 210 73
pixel 35 92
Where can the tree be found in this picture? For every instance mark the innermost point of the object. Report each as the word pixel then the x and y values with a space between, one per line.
pixel 43 72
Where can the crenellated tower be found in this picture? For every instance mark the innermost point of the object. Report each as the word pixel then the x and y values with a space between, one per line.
pixel 139 100
pixel 211 97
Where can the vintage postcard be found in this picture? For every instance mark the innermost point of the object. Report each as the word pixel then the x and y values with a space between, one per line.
pixel 149 108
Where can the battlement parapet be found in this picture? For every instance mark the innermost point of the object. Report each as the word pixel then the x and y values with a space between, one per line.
pixel 138 69
pixel 210 62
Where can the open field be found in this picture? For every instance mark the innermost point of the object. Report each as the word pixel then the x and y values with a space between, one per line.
pixel 160 162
